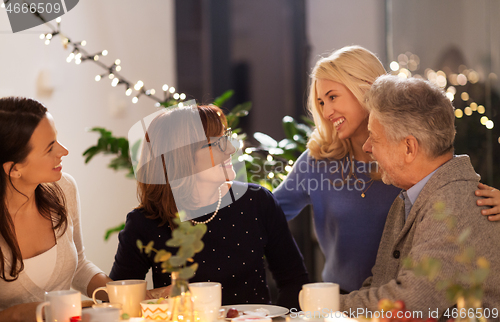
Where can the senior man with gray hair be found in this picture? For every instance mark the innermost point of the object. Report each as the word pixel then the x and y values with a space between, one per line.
pixel 412 129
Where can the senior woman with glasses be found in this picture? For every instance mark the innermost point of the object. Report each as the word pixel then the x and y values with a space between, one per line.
pixel 186 165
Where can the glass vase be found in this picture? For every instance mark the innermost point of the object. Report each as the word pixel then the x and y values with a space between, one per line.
pixel 180 302
pixel 469 310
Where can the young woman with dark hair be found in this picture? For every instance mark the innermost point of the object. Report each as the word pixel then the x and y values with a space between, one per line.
pixel 41 246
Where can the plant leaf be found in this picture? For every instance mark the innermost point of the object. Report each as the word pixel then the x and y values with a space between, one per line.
pixel 241 110
pixel 90 153
pixel 308 121
pixel 454 292
pixel 186 251
pixel 177 260
pixel 223 98
pixel 265 140
pixel 408 263
pixel 199 230
pixel 162 256
pixel 188 272
pixel 463 235
pixel 480 275
pixel 173 242
pixel 113 230
pixel 306 130
pixel 289 126
pixel 149 247
pixel 276 151
pixel 188 240
pixel 198 246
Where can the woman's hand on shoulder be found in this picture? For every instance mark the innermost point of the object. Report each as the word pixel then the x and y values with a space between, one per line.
pixel 491 197
pixel 20 313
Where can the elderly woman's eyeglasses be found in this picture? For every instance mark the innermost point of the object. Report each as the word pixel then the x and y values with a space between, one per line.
pixel 222 142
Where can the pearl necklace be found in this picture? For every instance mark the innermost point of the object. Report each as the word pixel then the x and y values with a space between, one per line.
pixel 215 212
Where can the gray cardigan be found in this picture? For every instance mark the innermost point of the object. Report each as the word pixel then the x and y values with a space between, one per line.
pixel 421 235
pixel 72 268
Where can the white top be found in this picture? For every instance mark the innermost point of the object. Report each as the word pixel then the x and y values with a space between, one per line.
pixel 71 269
pixel 40 267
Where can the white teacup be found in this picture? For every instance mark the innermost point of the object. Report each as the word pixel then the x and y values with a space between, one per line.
pixel 207 298
pixel 102 314
pixel 60 306
pixel 319 297
pixel 129 293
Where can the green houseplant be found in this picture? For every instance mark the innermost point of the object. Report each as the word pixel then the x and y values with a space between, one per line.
pixel 187 238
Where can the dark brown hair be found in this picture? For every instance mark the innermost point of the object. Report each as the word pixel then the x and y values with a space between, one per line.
pixel 157 199
pixel 19 117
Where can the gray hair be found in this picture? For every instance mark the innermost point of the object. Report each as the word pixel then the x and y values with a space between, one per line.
pixel 413 107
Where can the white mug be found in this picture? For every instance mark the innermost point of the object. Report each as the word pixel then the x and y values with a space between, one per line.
pixel 129 293
pixel 102 314
pixel 207 298
pixel 60 306
pixel 319 297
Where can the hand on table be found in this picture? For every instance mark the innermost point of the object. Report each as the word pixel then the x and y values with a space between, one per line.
pixel 25 312
pixel 156 293
pixel 492 199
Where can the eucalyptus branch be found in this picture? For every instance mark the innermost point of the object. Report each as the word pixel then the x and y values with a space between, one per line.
pixel 187 238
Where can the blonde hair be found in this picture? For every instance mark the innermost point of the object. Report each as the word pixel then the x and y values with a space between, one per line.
pixel 356 68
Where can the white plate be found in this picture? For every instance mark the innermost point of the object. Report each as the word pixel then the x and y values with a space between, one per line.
pixel 274 311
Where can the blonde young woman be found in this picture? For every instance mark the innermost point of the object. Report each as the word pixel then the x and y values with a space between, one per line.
pixel 337 178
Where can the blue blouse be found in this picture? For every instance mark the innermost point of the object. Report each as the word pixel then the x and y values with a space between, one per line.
pixel 348 226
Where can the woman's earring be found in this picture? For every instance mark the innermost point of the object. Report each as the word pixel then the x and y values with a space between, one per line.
pixel 19 175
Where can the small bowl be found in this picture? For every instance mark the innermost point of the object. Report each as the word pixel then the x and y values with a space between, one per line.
pixel 154 311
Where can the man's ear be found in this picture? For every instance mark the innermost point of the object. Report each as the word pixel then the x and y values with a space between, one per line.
pixel 14 173
pixel 412 148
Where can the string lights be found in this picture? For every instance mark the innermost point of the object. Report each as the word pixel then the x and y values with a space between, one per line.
pixel 79 54
pixel 408 63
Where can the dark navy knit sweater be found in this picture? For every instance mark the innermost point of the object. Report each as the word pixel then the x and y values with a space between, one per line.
pixel 239 240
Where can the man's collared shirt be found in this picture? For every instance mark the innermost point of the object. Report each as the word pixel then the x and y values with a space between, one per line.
pixel 410 196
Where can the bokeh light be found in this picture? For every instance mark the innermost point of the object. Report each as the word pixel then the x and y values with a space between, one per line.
pixel 403 59
pixel 461 79
pixel 453 79
pixel 394 66
pixel 452 90
pixel 473 77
